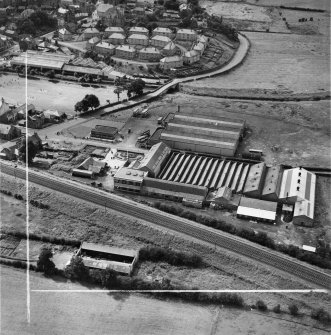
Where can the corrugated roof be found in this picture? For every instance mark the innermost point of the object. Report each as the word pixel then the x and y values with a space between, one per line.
pixel 109 250
pixel 272 181
pixel 258 204
pixel 82 69
pixel 254 178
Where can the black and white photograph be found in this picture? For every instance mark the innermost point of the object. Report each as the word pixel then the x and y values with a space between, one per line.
pixel 165 167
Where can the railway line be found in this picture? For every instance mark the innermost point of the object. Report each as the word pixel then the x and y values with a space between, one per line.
pixel 203 233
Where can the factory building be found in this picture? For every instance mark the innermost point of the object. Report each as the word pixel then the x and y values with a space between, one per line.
pixel 255 180
pixel 257 210
pixel 129 180
pixel 298 189
pixel 189 194
pixel 272 183
pixel 154 160
pixel 203 134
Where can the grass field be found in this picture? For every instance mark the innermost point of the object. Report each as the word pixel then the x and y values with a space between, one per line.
pixel 281 62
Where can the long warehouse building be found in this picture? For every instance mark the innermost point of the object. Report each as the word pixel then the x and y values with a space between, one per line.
pixel 205 134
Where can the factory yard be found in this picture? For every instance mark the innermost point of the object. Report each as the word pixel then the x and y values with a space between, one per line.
pixel 47 95
pixel 276 63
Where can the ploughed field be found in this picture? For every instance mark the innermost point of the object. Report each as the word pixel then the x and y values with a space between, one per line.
pixel 287 63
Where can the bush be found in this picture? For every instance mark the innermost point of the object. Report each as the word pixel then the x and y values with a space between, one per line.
pixel 76 270
pixel 277 309
pixel 321 315
pixel 261 305
pixel 44 263
pixel 293 309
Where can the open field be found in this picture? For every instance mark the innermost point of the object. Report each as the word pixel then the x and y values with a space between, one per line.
pixel 70 218
pixel 280 62
pixel 47 95
pixel 121 313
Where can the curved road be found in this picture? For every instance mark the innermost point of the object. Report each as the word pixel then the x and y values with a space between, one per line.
pixel 190 228
pixel 236 60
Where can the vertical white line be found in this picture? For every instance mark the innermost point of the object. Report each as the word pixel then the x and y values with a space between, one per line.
pixel 27 192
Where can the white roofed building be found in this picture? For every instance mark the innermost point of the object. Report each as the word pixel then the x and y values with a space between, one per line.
pixel 191 57
pixel 200 47
pixel 168 63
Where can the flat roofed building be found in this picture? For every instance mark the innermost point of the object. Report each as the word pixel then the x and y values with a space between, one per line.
pixel 139 30
pixel 168 63
pixel 186 35
pixel 125 51
pixel 162 31
pixel 297 184
pixel 160 41
pixel 138 39
pixel 105 48
pixel 173 190
pixel 150 54
pixel 272 183
pixel 154 160
pixel 113 30
pixel 255 180
pixel 104 132
pixel 116 38
pixel 129 180
pixel 255 209
pixel 101 256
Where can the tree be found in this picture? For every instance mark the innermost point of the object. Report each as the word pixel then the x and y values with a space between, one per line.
pixel 81 107
pixel 321 315
pixel 44 263
pixel 294 310
pixel 136 87
pixel 118 90
pixel 261 305
pixel 108 278
pixel 91 101
pixel 277 309
pixel 76 269
pixel 32 151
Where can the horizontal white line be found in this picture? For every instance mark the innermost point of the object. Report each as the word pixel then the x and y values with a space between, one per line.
pixel 184 291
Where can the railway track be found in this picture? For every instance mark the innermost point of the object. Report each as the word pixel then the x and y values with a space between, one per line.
pixel 203 233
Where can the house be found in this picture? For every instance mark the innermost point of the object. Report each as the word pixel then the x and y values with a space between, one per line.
pixel 6 113
pixel 200 47
pixel 90 33
pixel 191 57
pixel 92 42
pixel 36 121
pixel 149 54
pixel 111 30
pixel 162 31
pixel 105 48
pixel 53 116
pixel 168 63
pixel 93 165
pixel 65 34
pixel 116 38
pixel 139 30
pixel 170 49
pixel 186 35
pixel 10 153
pixel 160 41
pixel 125 51
pixel 138 39
pixel 23 110
pixel 8 132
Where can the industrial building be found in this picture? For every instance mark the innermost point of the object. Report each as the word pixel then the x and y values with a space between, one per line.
pixel 100 256
pixel 257 210
pixel 298 188
pixel 272 183
pixel 204 134
pixel 255 180
pixel 154 160
pixel 129 180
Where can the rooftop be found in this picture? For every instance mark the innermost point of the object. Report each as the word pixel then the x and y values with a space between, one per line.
pixel 130 174
pixel 161 38
pixel 171 59
pixel 138 37
pixel 109 250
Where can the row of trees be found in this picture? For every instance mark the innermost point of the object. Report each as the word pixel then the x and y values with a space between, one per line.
pixel 133 87
pixel 321 258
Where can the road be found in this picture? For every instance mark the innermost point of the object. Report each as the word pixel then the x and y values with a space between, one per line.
pixel 214 237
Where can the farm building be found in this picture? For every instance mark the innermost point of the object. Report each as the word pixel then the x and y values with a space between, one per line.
pixel 104 132
pixel 138 39
pixel 112 30
pixel 154 160
pixel 161 31
pixel 170 49
pixel 150 54
pixel 125 51
pixel 255 180
pixel 160 41
pixel 168 63
pixel 100 256
pixel 174 191
pixel 298 188
pixel 259 210
pixel 272 183
pixel 116 38
pixel 104 48
pixel 201 134
pixel 191 57
pixel 186 35
pixel 130 180
pixel 139 30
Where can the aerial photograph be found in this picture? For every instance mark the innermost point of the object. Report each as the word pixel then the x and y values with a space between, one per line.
pixel 165 167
